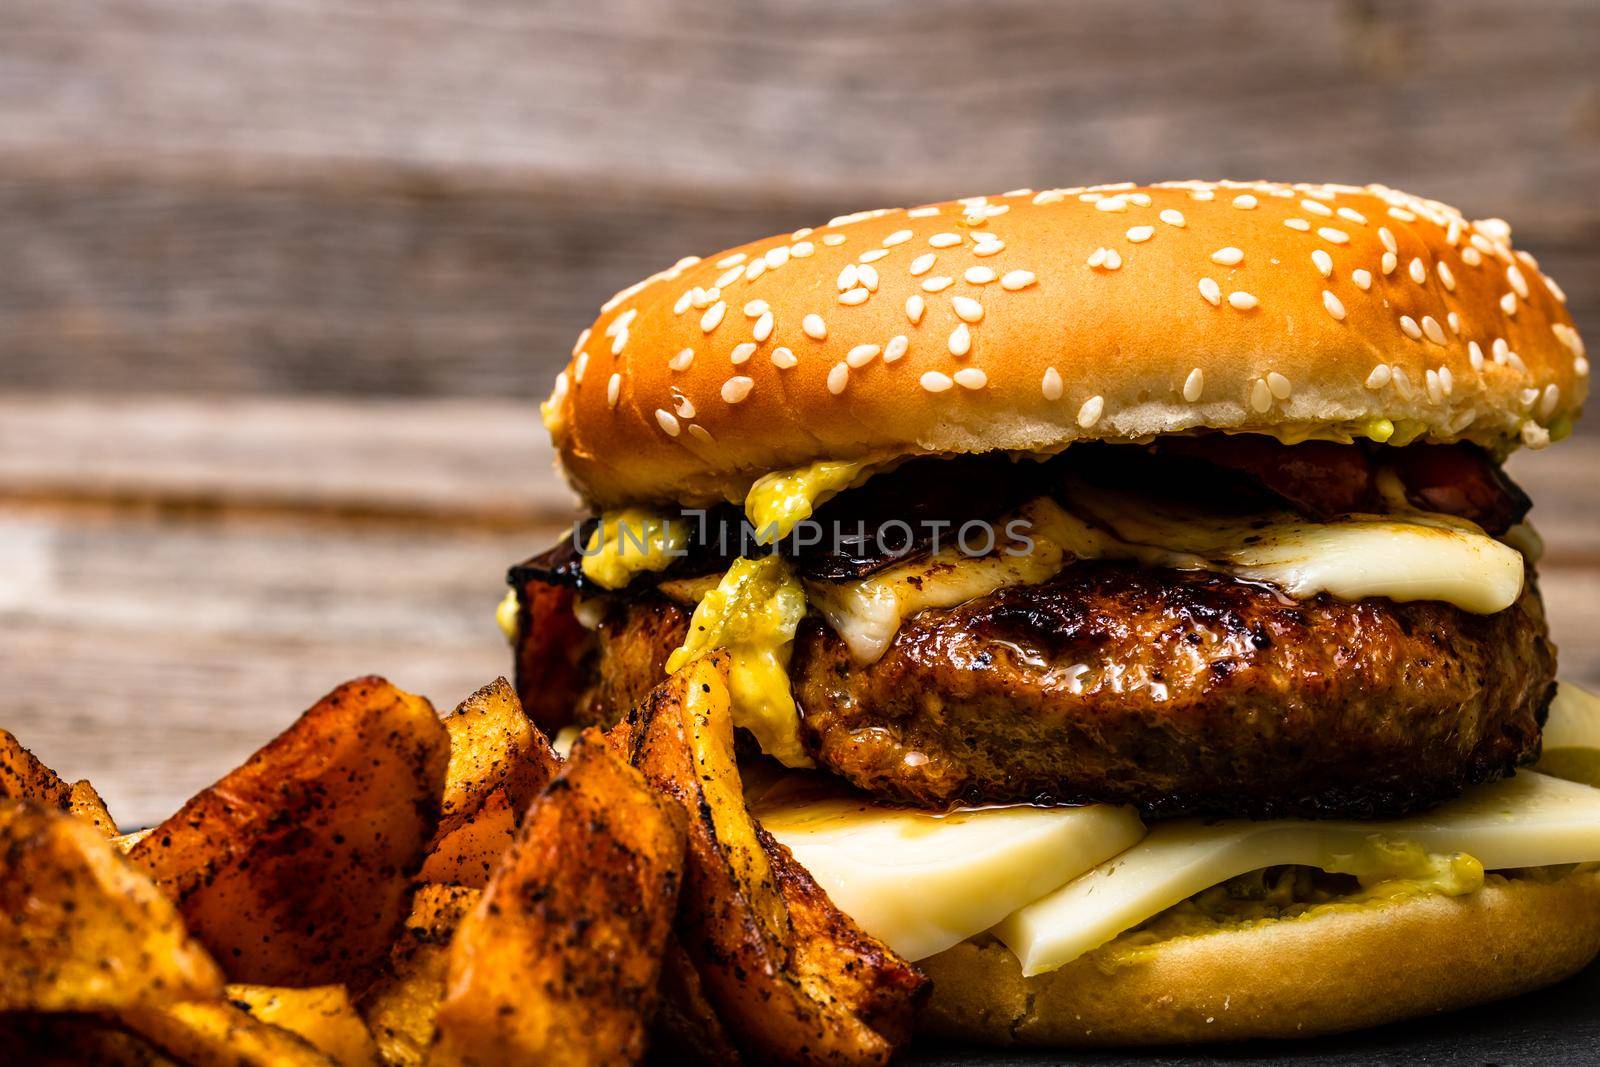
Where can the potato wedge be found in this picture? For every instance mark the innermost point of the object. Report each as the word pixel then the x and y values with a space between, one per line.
pixel 779 1000
pixel 215 1033
pixel 468 854
pixel 493 747
pixel 686 1028
pixel 84 801
pixel 74 1040
pixel 401 1005
pixel 560 960
pixel 323 1015
pixel 84 930
pixel 293 869
pixel 23 776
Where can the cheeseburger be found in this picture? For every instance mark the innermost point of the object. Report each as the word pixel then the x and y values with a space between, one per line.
pixel 1130 618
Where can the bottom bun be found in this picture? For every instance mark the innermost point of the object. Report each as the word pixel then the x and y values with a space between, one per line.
pixel 1335 968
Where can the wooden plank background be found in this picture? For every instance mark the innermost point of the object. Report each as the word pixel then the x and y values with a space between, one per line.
pixel 279 279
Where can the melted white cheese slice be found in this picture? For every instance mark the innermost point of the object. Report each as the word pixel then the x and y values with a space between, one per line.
pixel 923 882
pixel 1528 821
pixel 1574 720
pixel 1411 557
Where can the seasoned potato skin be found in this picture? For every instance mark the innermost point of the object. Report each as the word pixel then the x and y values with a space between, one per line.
pixel 293 869
pixel 400 1007
pixel 1182 692
pixel 493 746
pixel 559 961
pixel 85 930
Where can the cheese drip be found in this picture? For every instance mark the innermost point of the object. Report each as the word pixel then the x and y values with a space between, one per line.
pixel 630 541
pixel 782 500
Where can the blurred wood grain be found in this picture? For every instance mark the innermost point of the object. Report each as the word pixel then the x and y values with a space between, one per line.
pixel 430 197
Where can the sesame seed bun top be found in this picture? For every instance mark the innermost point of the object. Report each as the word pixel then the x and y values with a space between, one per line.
pixel 1031 320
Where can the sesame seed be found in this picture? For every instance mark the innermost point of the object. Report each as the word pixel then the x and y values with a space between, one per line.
pixel 922 212
pixel 898 237
pixel 1228 257
pixel 1316 207
pixel 1471 256
pixel 1519 284
pixel 668 422
pixel 971 378
pixel 1172 218
pixel 1142 199
pixel 579 367
pixel 1452 234
pixel 1297 224
pixel 755 308
pixel 855 296
pixel 847 278
pixel 1050 384
pixel 988 246
pixel 728 277
pixel 833 240
pixel 783 359
pixel 618 341
pixel 1447 278
pixel 1552 397
pixel 1500 349
pixel 1390 262
pixel 735 260
pixel 960 340
pixel 937 284
pixel 1402 383
pixel 713 316
pixel 1202 194
pixel 1435 391
pixel 613 390
pixel 869 277
pixel 802 250
pixel 945 240
pixel 1508 303
pixel 1362 278
pixel 1113 260
pixel 1211 291
pixel 1389 243
pixel 683 302
pixel 861 355
pixel 763 327
pixel 1402 214
pixel 979 275
pixel 1434 332
pixel 967 309
pixel 1475 355
pixel 934 382
pixel 682 360
pixel 1555 290
pixel 814 327
pixel 741 353
pixel 1447 381
pixel 1016 279
pixel 1091 411
pixel 895 348
pixel 1244 201
pixel 1242 301
pixel 1338 237
pixel 756 269
pixel 1140 234
pixel 872 255
pixel 1111 203
pixel 776 257
pixel 1097 258
pixel 736 389
pixel 683 405
pixel 1323 261
pixel 1194 384
pixel 838 378
pixel 1379 377
pixel 1418 270
pixel 1409 326
pixel 922 264
pixel 1352 215
pixel 1333 304
pixel 1260 395
pixel 915 306
pixel 1279 385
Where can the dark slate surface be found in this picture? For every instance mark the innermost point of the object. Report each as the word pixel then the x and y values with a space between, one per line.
pixel 1560 1025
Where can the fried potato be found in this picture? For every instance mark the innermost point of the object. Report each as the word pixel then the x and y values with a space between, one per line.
pixel 293 869
pixel 215 1033
pixel 85 802
pixel 125 842
pixel 83 929
pixel 323 1015
pixel 493 746
pixel 468 854
pixel 779 997
pixel 401 1005
pixel 560 960
pixel 686 1028
pixel 23 776
pixel 73 1040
